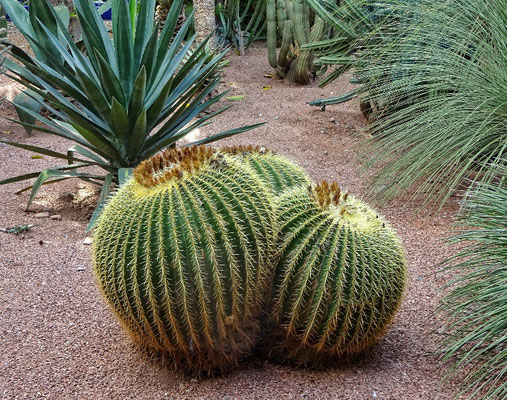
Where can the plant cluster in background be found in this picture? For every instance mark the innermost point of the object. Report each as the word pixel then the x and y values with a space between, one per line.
pixel 297 26
pixel 240 23
pixel 121 100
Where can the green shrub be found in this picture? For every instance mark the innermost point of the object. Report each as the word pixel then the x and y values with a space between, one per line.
pixel 120 101
pixel 181 255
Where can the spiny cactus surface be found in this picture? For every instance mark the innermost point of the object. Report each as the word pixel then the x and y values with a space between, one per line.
pixel 179 253
pixel 277 172
pixel 339 279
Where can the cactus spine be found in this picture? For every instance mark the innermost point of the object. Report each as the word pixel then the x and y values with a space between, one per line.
pixel 339 279
pixel 180 254
pixel 275 171
pixel 293 19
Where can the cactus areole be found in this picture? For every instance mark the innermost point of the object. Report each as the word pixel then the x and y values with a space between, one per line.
pixel 178 253
pixel 339 280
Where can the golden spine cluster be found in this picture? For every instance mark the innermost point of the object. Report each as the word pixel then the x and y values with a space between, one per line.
pixel 171 164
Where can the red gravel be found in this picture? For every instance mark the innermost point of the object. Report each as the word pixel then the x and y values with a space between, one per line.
pixel 59 339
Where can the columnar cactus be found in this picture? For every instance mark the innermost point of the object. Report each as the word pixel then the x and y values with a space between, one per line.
pixel 3 24
pixel 277 172
pixel 292 19
pixel 339 279
pixel 180 254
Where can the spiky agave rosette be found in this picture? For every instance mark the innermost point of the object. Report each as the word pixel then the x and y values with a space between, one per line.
pixel 179 253
pixel 339 279
pixel 277 172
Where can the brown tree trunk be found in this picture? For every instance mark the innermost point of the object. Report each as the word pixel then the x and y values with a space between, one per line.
pixel 204 20
pixel 74 29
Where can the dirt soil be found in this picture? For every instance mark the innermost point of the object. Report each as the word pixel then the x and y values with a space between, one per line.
pixel 59 339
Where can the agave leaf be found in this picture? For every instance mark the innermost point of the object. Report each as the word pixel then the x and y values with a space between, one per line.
pixel 56 173
pixel 143 29
pixel 31 175
pixel 40 150
pixel 136 104
pixel 112 85
pixel 103 197
pixel 137 138
pixel 123 43
pixel 120 122
pixel 123 175
pixel 225 134
pixel 23 101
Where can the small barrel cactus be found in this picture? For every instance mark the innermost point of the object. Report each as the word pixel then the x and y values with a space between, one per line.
pixel 180 253
pixel 277 172
pixel 339 280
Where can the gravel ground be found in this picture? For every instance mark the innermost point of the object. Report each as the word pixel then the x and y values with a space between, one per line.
pixel 59 340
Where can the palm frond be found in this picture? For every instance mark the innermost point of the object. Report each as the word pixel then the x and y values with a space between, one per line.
pixel 438 80
pixel 474 312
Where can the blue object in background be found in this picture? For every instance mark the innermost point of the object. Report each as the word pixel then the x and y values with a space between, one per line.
pixel 107 15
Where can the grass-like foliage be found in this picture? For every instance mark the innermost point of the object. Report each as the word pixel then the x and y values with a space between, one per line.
pixel 120 99
pixel 474 312
pixel 437 78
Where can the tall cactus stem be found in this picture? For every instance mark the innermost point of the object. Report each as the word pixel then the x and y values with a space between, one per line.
pixel 271 32
pixel 284 59
pixel 303 71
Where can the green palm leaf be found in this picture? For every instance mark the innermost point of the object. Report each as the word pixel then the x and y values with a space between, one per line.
pixel 474 312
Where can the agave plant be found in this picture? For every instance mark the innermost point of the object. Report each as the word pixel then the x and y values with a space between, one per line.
pixel 474 313
pixel 122 99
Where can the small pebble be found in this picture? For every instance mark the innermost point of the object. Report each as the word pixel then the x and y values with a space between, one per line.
pixel 332 119
pixel 322 131
pixel 80 268
pixel 56 217
pixel 326 153
pixel 88 241
pixel 260 114
pixel 44 214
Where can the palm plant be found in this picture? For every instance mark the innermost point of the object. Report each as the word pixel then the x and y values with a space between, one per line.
pixel 439 79
pixel 474 313
pixel 122 99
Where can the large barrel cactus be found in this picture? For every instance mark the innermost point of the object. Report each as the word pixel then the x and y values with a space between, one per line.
pixel 339 280
pixel 277 172
pixel 180 253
